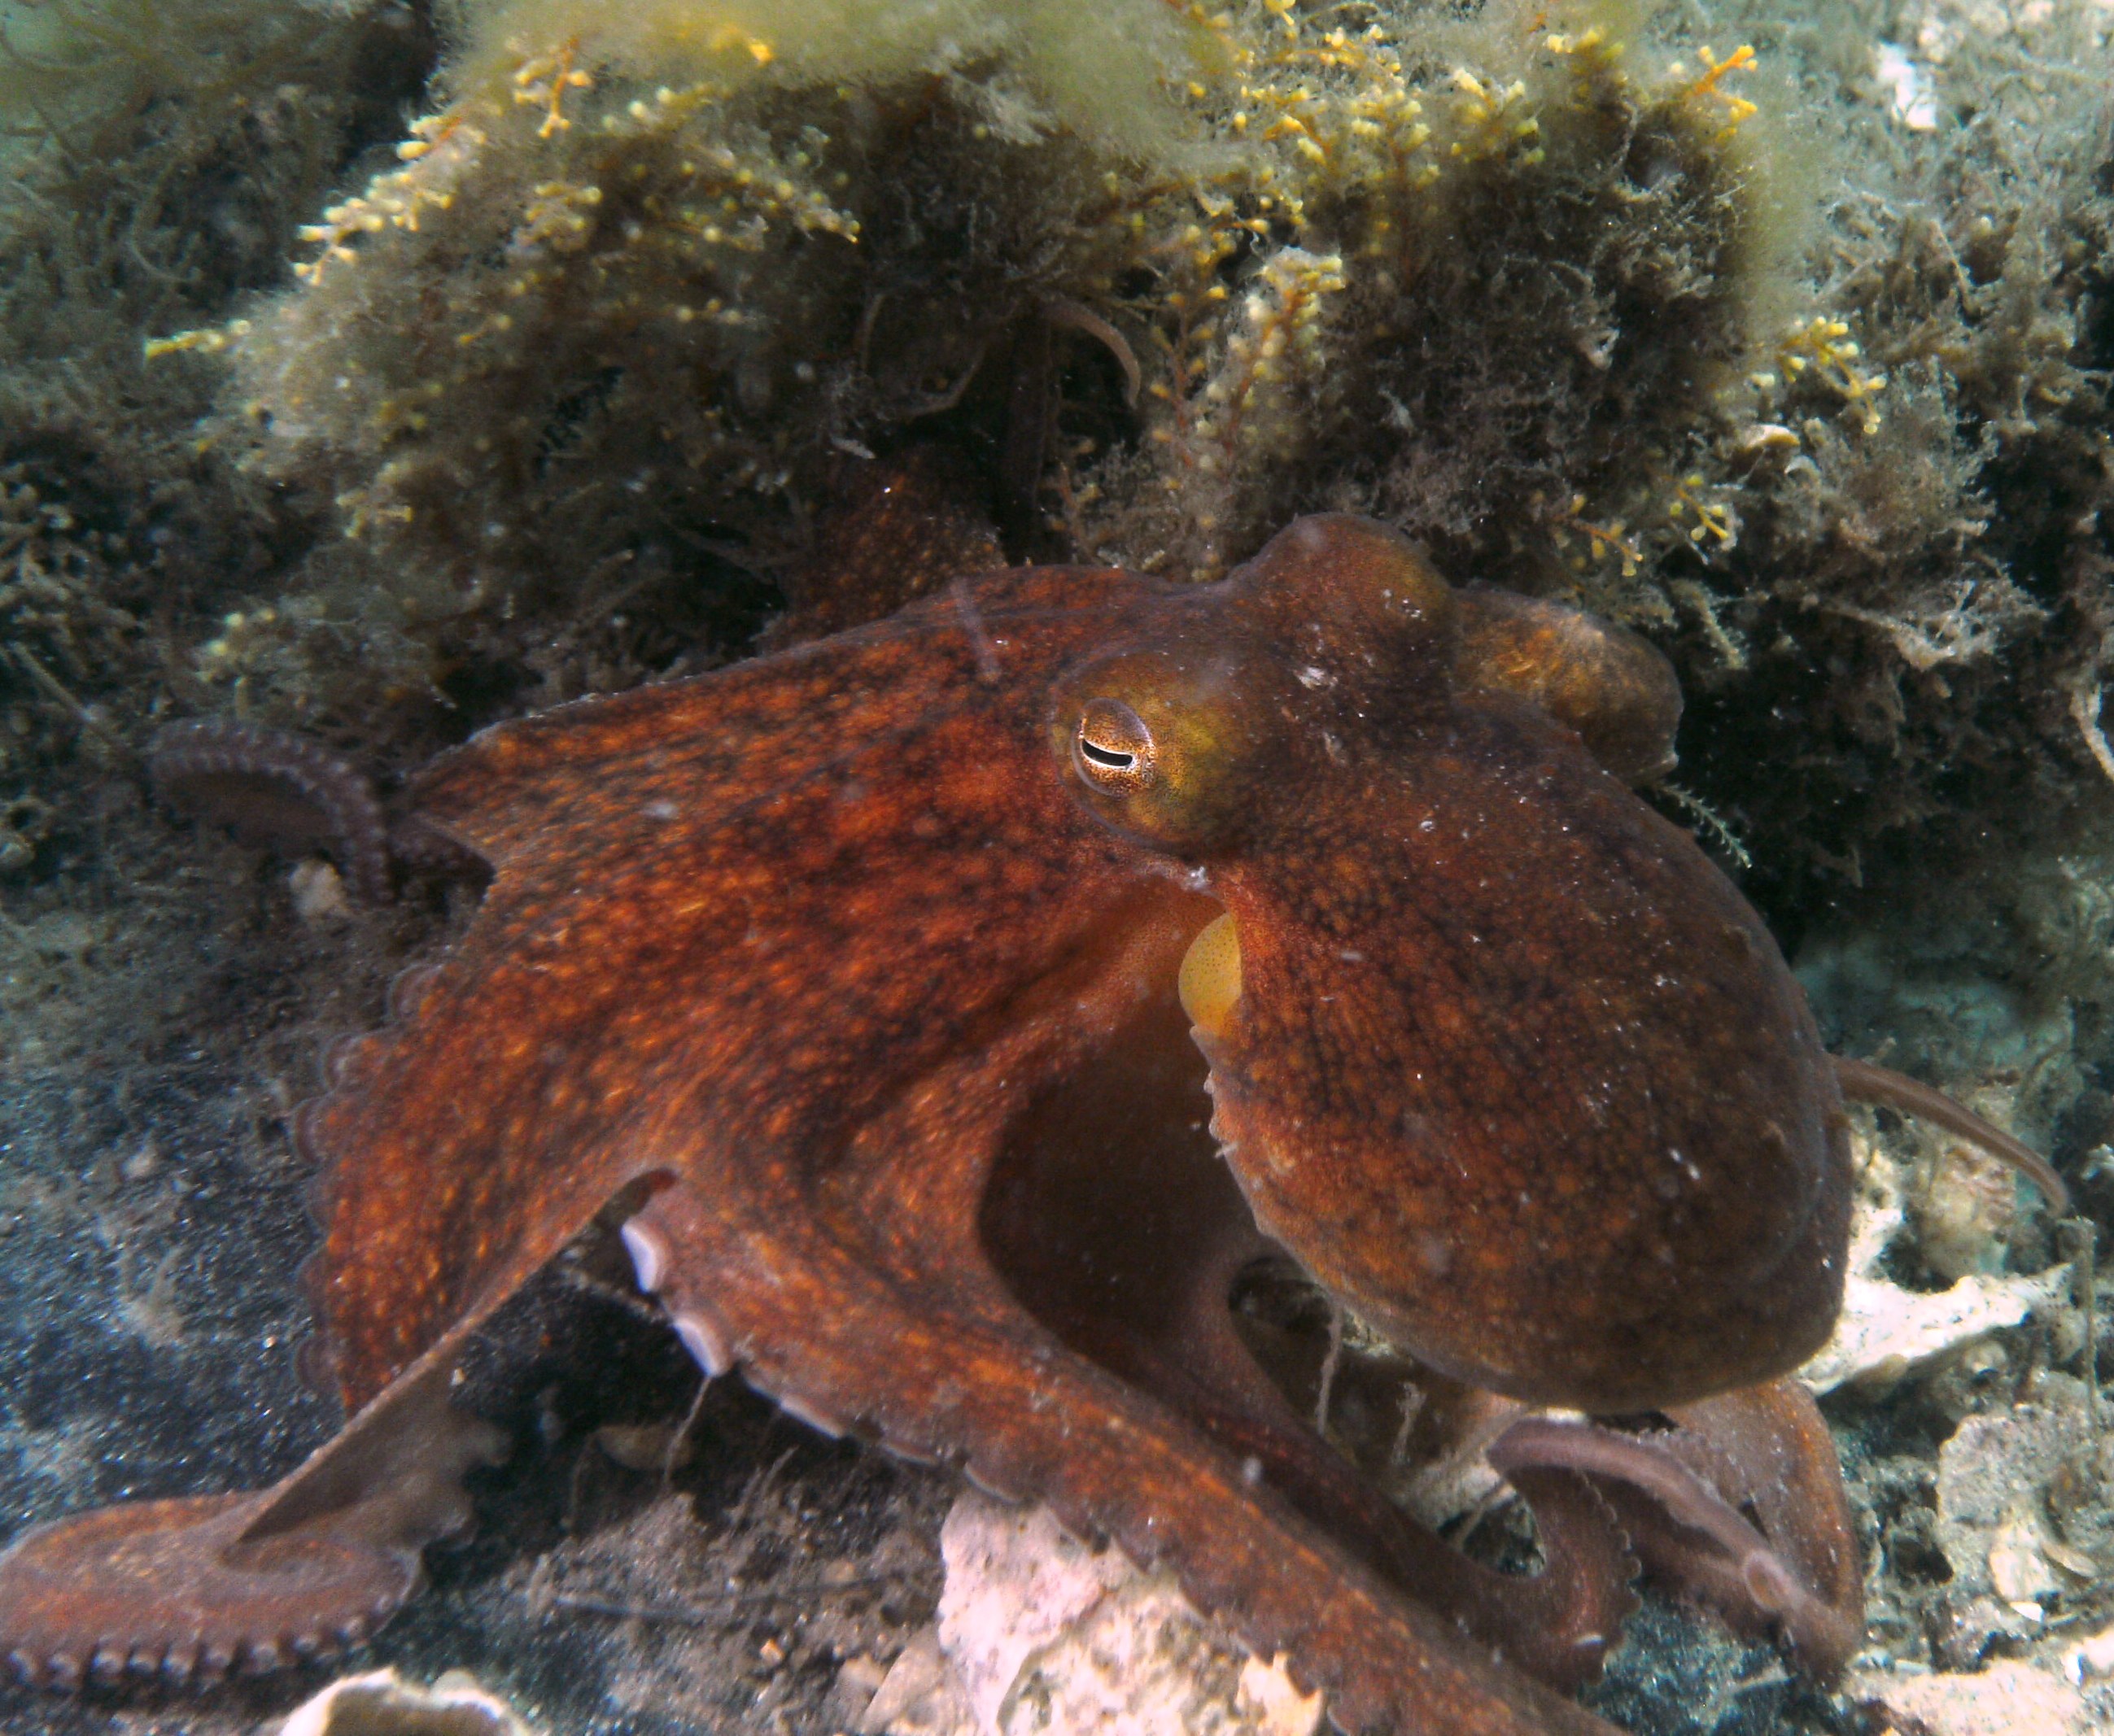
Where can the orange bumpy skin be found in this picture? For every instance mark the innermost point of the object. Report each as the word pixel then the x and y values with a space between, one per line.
pixel 857 964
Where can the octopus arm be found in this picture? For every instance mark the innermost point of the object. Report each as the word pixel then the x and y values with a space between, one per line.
pixel 1680 1493
pixel 1865 1081
pixel 719 912
pixel 186 1591
pixel 1111 1218
pixel 691 944
pixel 879 1297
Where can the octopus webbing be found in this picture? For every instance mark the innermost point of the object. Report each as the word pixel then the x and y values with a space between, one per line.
pixel 960 1005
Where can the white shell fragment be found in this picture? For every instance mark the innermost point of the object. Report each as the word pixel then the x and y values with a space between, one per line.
pixel 1886 1333
pixel 382 1703
pixel 1994 1479
pixel 1039 1633
pixel 2092 1660
pixel 319 893
pixel 1914 100
pixel 2009 1698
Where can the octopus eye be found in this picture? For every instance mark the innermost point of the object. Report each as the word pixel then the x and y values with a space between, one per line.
pixel 1114 750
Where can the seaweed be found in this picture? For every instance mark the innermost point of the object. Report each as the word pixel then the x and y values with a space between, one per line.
pixel 672 272
pixel 161 158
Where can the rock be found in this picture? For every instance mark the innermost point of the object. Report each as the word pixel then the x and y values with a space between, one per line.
pixel 1037 1633
pixel 382 1703
pixel 1993 1481
pixel 2008 1699
pixel 919 1696
pixel 1888 1334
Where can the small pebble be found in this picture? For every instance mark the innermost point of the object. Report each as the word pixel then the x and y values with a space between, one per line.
pixel 319 893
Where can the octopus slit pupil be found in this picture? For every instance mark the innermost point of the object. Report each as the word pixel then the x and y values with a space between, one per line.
pixel 1114 759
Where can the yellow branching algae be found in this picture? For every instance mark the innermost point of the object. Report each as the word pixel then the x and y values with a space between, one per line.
pixel 648 278
pixel 612 309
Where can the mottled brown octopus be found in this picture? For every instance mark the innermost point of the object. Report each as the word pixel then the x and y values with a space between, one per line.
pixel 865 975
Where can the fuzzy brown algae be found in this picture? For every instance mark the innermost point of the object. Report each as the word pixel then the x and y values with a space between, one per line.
pixel 858 965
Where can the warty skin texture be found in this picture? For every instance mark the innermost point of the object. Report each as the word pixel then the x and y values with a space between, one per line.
pixel 827 958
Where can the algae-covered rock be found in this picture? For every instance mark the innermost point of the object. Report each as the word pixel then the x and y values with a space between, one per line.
pixel 675 267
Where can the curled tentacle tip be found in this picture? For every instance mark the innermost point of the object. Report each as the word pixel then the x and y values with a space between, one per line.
pixel 277 791
pixel 1769 1583
pixel 1682 1520
pixel 280 791
pixel 1822 1638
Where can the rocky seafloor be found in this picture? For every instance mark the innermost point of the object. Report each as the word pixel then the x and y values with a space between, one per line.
pixel 1894 657
pixel 660 1554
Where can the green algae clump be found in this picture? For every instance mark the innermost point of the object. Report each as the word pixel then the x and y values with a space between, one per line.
pixel 579 379
pixel 645 282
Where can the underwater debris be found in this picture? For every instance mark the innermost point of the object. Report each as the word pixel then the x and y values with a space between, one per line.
pixel 380 1702
pixel 1994 1479
pixel 2006 1699
pixel 1964 1204
pixel 1038 1632
pixel 1888 1334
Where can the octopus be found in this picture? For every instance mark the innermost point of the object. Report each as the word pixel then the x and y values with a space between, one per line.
pixel 960 1009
